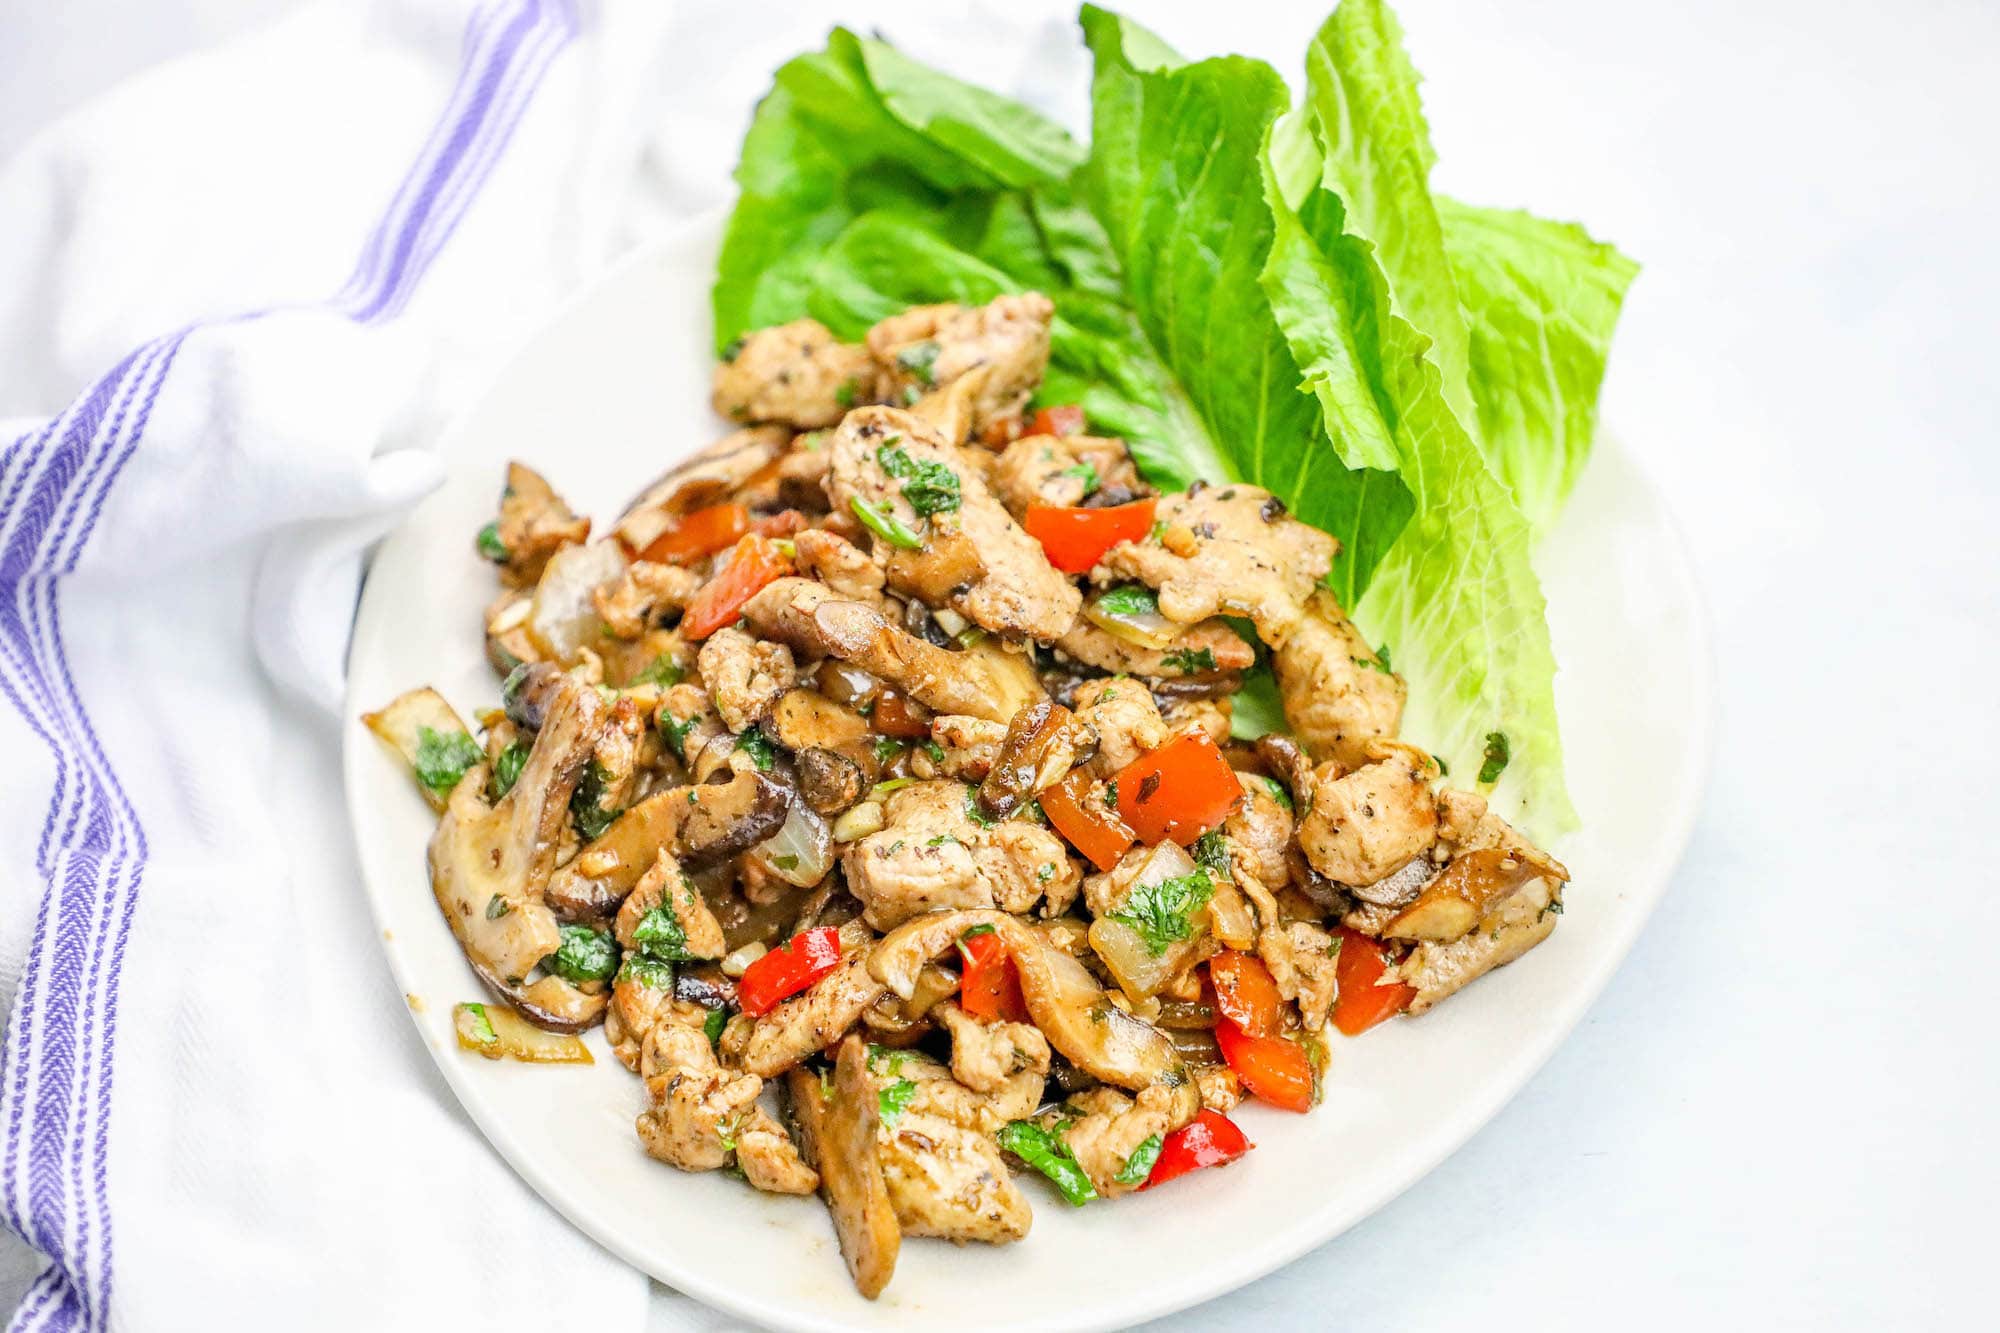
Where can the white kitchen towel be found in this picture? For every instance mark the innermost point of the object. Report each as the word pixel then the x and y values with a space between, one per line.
pixel 261 278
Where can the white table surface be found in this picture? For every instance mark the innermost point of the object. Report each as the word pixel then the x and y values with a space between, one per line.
pixel 1782 1111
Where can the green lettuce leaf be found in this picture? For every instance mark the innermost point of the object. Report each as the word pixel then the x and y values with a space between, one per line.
pixel 1540 300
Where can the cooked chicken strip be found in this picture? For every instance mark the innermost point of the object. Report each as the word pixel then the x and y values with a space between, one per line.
pixel 1226 550
pixel 796 373
pixel 984 1055
pixel 1127 722
pixel 628 604
pixel 1045 470
pixel 932 853
pixel 534 524
pixel 744 676
pixel 1007 339
pixel 1339 696
pixel 813 1019
pixel 1208 647
pixel 949 1182
pixel 1366 825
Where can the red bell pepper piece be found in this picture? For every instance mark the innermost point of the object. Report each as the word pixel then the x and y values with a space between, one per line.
pixel 1075 538
pixel 701 533
pixel 1210 1139
pixel 756 563
pixel 1246 994
pixel 1275 1070
pixel 1179 791
pixel 1064 420
pixel 788 969
pixel 988 986
pixel 1078 812
pixel 1360 1003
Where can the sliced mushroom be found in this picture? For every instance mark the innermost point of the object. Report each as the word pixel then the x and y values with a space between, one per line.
pixel 830 782
pixel 1462 893
pixel 838 1138
pixel 1044 741
pixel 704 479
pixel 1398 889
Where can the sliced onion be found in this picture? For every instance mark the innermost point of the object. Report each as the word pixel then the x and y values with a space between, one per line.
pixel 1140 972
pixel 1147 629
pixel 564 619
pixel 801 851
pixel 858 822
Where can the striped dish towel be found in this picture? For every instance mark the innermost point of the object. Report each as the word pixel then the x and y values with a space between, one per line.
pixel 261 279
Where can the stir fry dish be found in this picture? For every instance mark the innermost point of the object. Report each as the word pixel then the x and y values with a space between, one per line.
pixel 872 783
pixel 982 773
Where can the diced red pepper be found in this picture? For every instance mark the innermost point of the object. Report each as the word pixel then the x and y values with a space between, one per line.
pixel 899 716
pixel 1273 1069
pixel 1210 1139
pixel 788 969
pixel 1075 538
pixel 1361 1004
pixel 701 533
pixel 1064 420
pixel 1079 813
pixel 755 565
pixel 1246 994
pixel 989 987
pixel 1179 791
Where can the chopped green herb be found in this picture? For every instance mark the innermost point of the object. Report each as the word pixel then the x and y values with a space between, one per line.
pixel 886 749
pixel 884 525
pixel 941 839
pixel 734 347
pixel 1276 790
pixel 1497 755
pixel 662 671
pixel 1371 664
pixel 844 395
pixel 497 906
pixel 1382 655
pixel 1043 874
pixel 1046 1151
pixel 507 768
pixel 919 361
pixel 442 758
pixel 1190 661
pixel 911 396
pixel 1129 599
pixel 1158 532
pixel 1140 1164
pixel 586 803
pixel 711 1027
pixel 929 488
pixel 1211 853
pixel 652 973
pixel 482 1026
pixel 1163 913
pixel 660 935
pixel 935 751
pixel 1443 770
pixel 895 1099
pixel 1033 813
pixel 491 546
pixel 880 1057
pixel 675 733
pixel 1086 472
pixel 584 955
pixel 755 744
pixel 974 932
pixel 1111 793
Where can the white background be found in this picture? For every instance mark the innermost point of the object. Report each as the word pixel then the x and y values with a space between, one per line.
pixel 1781 1111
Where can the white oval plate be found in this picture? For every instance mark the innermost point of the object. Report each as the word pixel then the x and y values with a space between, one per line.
pixel 608 395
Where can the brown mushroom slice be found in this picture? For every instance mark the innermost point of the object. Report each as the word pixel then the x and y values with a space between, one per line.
pixel 805 719
pixel 837 1136
pixel 1398 889
pixel 1044 741
pixel 401 725
pixel 702 480
pixel 1463 893
pixel 829 781
pixel 1064 1000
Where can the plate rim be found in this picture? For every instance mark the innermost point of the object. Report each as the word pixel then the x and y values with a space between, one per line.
pixel 1312 1228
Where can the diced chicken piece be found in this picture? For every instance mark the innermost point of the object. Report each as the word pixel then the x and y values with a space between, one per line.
pixel 664 889
pixel 1127 721
pixel 1226 550
pixel 1103 1142
pixel 1221 1090
pixel 1338 694
pixel 1485 863
pixel 629 604
pixel 534 524
pixel 769 1159
pixel 1367 825
pixel 1024 862
pixel 1259 830
pixel 1521 922
pixel 1005 340
pixel 949 1182
pixel 974 557
pixel 810 1021
pixel 1198 715
pixel 710 476
pixel 817 623
pixel 1045 470
pixel 695 1106
pixel 1301 958
pixel 636 1009
pixel 744 676
pixel 985 1055
pixel 796 373
pixel 937 1093
pixel 1203 649
pixel 846 569
pixel 970 745
pixel 932 853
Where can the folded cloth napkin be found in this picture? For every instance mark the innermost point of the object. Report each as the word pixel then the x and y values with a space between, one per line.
pixel 261 278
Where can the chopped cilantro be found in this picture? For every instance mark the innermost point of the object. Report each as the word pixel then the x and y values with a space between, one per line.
pixel 1129 599
pixel 734 347
pixel 1111 793
pixel 844 395
pixel 1140 1164
pixel 919 361
pixel 1045 1150
pixel 586 803
pixel 662 671
pixel 1443 770
pixel 758 746
pixel 1497 755
pixel 584 955
pixel 974 811
pixel 711 1027
pixel 1163 913
pixel 1382 655
pixel 491 546
pixel 1211 853
pixel 442 758
pixel 941 839
pixel 497 906
pixel 1276 791
pixel 660 935
pixel 935 751
pixel 895 1099
pixel 652 973
pixel 886 749
pixel 1190 661
pixel 507 768
pixel 928 487
pixel 880 1056
pixel 1086 472
pixel 482 1026
pixel 675 733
